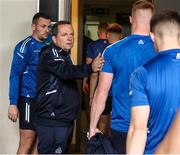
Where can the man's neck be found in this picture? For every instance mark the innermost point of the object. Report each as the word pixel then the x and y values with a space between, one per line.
pixel 140 29
pixel 144 32
pixel 168 43
pixel 36 38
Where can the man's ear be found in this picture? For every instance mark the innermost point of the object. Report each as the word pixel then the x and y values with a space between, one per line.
pixel 130 19
pixel 121 36
pixel 54 39
pixel 33 27
pixel 152 36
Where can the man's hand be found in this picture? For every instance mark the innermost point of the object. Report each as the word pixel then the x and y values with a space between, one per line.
pixel 92 132
pixel 85 85
pixel 90 101
pixel 13 113
pixel 97 63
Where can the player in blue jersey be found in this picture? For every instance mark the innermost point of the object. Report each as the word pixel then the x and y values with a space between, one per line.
pixel 121 59
pixel 99 45
pixel 23 81
pixel 93 50
pixel 155 87
pixel 114 33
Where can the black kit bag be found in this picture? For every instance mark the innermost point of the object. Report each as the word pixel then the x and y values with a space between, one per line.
pixel 99 144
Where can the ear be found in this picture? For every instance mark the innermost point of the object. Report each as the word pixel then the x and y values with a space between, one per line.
pixel 152 36
pixel 130 19
pixel 54 40
pixel 33 27
pixel 121 36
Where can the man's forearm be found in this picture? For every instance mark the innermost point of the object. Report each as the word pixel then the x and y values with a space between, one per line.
pixel 99 100
pixel 97 108
pixel 136 141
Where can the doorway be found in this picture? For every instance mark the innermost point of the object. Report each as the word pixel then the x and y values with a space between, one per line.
pixel 110 11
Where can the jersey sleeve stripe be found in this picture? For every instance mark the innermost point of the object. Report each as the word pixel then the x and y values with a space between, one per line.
pixel 24 44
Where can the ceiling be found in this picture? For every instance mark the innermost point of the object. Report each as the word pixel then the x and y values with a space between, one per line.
pixel 123 5
pixel 108 2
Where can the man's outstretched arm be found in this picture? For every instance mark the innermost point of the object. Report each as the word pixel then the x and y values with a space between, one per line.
pixel 99 101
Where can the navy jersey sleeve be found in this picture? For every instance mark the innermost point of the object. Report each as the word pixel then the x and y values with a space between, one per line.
pixel 107 67
pixel 18 65
pixel 90 51
pixel 65 69
pixel 138 93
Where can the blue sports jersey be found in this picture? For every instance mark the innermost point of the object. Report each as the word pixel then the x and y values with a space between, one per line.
pixel 121 59
pixel 96 47
pixel 157 84
pixel 23 69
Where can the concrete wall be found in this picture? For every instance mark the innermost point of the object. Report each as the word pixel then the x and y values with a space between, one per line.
pixel 15 24
pixel 168 4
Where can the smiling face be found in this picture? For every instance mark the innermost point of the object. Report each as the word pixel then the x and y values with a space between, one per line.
pixel 65 37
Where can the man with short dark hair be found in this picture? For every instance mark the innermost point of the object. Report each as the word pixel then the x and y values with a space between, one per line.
pixel 155 87
pixel 23 82
pixel 57 92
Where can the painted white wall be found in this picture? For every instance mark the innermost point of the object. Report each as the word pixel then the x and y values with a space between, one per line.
pixel 15 25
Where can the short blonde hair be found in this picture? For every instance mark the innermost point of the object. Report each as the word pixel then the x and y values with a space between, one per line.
pixel 142 4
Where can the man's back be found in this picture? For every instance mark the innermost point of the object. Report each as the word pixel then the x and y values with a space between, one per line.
pixel 96 47
pixel 154 87
pixel 160 77
pixel 121 59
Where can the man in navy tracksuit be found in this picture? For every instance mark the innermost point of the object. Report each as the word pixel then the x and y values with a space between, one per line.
pixel 23 81
pixel 57 92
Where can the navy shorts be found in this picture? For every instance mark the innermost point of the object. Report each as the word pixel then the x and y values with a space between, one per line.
pixel 54 140
pixel 108 106
pixel 118 140
pixel 27 113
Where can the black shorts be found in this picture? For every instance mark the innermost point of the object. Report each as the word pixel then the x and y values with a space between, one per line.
pixel 108 106
pixel 27 113
pixel 118 140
